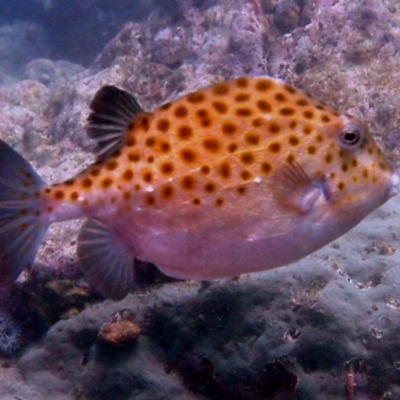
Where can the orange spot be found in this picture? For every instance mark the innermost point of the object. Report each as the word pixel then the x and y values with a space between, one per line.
pixel 87 183
pixel 181 111
pixel 148 177
pixel 130 141
pixel 242 82
pixel 165 147
pixel 280 97
pixel 210 187
pixel 241 97
pixel 196 97
pixel 325 119
pixel 290 89
pixel 243 112
pixel 275 148
pixel 149 199
pixel 241 190
pixel 167 191
pixel 247 158
pixel 106 183
pixel 58 195
pixel 221 89
pixel 308 114
pixel 307 130
pixel 286 111
pixel 188 183
pixel 163 125
pixel 196 201
pixel 205 169
pixel 263 85
pixel 232 147
pixel 126 195
pixel 144 123
pixel 220 107
pixel 185 132
pixel 274 128
pixel 167 168
pixel 166 106
pixel 311 149
pixel 293 140
pixel 111 165
pixel 74 196
pixel 302 102
pixel 252 138
pixel 134 156
pixel 266 167
pixel 212 145
pixel 229 128
pixel 188 155
pixel 293 124
pixel 290 158
pixel 328 158
pixel 219 202
pixel 224 169
pixel 264 106
pixel 257 122
pixel 95 171
pixel 246 175
pixel 150 141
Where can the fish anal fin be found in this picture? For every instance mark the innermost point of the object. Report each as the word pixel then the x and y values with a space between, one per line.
pixel 105 259
pixel 112 109
pixel 296 191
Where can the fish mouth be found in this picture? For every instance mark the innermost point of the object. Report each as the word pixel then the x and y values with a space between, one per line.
pixel 394 180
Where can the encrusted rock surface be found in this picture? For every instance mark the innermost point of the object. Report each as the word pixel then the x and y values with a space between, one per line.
pixel 324 328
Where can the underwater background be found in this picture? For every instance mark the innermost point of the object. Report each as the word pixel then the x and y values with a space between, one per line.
pixel 326 327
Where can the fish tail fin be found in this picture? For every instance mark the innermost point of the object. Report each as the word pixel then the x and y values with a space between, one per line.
pixel 22 225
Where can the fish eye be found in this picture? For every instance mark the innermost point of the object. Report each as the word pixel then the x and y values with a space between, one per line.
pixel 350 136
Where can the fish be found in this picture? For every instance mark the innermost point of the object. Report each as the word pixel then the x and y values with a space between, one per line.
pixel 243 176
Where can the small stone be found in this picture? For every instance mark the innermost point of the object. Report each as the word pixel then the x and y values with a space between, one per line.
pixel 120 331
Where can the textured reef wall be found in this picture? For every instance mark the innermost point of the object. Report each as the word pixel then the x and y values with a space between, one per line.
pixel 327 327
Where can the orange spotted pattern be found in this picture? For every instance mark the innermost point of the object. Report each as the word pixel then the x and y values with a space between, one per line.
pixel 212 146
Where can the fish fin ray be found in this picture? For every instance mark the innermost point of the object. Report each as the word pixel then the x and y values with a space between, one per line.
pixel 295 190
pixel 105 259
pixel 22 225
pixel 112 110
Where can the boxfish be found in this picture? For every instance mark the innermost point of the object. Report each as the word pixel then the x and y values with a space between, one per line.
pixel 242 176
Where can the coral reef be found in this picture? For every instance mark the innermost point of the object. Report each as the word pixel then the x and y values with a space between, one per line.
pixel 326 327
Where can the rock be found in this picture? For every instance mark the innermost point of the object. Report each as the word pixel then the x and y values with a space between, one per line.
pixel 121 331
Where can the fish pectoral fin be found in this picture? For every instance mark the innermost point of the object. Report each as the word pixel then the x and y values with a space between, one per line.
pixel 112 110
pixel 295 190
pixel 105 259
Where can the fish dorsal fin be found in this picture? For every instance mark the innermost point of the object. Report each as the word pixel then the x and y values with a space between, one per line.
pixel 112 110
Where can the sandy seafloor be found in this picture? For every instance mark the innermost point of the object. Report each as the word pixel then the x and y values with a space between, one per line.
pixel 326 327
